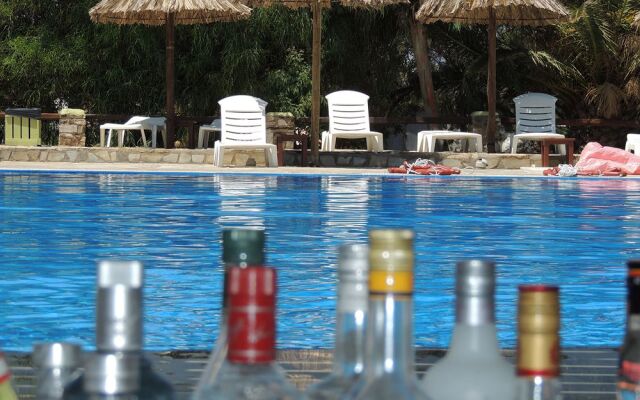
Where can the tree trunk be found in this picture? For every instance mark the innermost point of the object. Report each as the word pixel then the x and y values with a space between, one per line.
pixel 315 79
pixel 170 82
pixel 423 65
pixel 491 84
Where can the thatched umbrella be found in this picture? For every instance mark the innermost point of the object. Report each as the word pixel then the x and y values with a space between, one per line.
pixel 492 12
pixel 316 9
pixel 169 13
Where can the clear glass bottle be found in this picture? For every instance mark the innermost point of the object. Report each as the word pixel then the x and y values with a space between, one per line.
pixel 389 372
pixel 348 354
pixel 629 362
pixel 250 371
pixel 56 365
pixel 6 390
pixel 241 247
pixel 119 334
pixel 538 343
pixel 473 360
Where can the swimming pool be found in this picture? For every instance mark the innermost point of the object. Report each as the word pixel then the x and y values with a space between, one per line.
pixel 54 226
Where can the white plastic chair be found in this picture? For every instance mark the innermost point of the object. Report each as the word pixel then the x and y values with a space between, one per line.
pixel 535 119
pixel 633 142
pixel 136 123
pixel 204 130
pixel 427 139
pixel 349 119
pixel 244 127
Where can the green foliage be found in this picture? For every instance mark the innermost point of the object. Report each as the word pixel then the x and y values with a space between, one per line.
pixel 52 54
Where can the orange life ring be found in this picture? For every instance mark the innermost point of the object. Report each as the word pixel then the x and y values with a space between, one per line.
pixel 431 169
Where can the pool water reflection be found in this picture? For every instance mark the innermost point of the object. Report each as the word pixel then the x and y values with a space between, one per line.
pixel 574 232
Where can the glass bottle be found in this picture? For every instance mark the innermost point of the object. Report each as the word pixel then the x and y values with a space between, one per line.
pixel 389 357
pixel 348 355
pixel 6 390
pixel 241 247
pixel 119 335
pixel 250 371
pixel 629 363
pixel 473 361
pixel 538 343
pixel 56 365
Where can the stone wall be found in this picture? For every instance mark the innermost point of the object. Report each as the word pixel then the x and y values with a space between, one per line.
pixel 72 128
pixel 279 122
pixel 357 159
pixel 106 154
pixel 72 132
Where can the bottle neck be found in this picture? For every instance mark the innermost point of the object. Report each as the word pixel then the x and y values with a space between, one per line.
pixel 475 330
pixel 348 356
pixel 390 335
pixel 475 310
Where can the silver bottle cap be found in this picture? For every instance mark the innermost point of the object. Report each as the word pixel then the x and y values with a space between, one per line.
pixel 353 278
pixel 119 313
pixel 112 374
pixel 475 277
pixel 353 261
pixel 475 287
pixel 57 355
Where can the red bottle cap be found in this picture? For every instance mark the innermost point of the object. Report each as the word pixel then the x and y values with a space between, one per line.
pixel 251 330
pixel 538 288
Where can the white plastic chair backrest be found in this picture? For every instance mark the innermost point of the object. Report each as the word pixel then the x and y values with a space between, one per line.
pixel 535 113
pixel 243 120
pixel 348 112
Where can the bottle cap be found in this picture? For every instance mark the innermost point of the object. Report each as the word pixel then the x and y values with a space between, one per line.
pixel 633 264
pixel 538 326
pixel 475 278
pixel 353 261
pixel 391 261
pixel 112 374
pixel 633 268
pixel 251 324
pixel 119 306
pixel 353 276
pixel 243 246
pixel 475 287
pixel 57 355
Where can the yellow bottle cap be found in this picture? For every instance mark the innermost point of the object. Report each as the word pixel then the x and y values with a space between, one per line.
pixel 538 325
pixel 391 261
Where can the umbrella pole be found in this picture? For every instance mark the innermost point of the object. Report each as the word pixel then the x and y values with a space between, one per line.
pixel 170 81
pixel 491 84
pixel 315 80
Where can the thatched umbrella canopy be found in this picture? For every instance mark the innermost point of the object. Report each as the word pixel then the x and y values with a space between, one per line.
pixel 169 13
pixel 316 8
pixel 492 12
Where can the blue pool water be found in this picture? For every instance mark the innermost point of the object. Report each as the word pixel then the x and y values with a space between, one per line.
pixel 574 232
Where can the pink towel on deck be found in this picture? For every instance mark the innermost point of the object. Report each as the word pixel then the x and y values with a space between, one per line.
pixel 596 159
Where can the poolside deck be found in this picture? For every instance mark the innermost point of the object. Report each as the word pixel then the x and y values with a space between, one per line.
pixel 587 374
pixel 210 169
